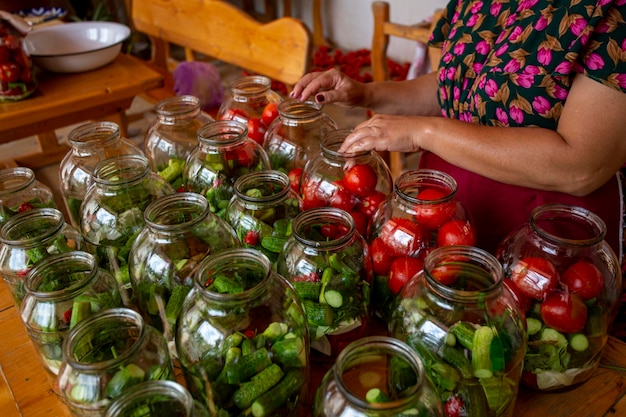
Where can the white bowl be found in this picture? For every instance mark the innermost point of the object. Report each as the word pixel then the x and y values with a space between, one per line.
pixel 76 46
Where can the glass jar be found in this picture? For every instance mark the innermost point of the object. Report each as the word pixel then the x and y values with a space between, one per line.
pixel 568 280
pixel 173 135
pixel 421 214
pixel 18 80
pixel 61 291
pixel 224 154
pixel 262 210
pixel 467 328
pixel 89 144
pixel 105 355
pixel 328 263
pixel 251 101
pixel 294 137
pixel 242 337
pixel 179 232
pixel 30 237
pixel 112 212
pixel 354 182
pixel 376 376
pixel 20 191
pixel 157 398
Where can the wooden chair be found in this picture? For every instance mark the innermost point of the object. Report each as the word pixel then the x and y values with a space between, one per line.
pixel 383 30
pixel 279 49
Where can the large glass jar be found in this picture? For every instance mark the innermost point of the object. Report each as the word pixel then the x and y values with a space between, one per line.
pixel 157 398
pixel 173 135
pixel 568 280
pixel 61 291
pixel 224 154
pixel 29 238
pixel 294 137
pixel 467 328
pixel 179 232
pixel 242 337
pixel 18 79
pixel 328 263
pixel 105 355
pixel 20 191
pixel 355 182
pixel 422 213
pixel 112 213
pixel 89 143
pixel 377 376
pixel 251 101
pixel 262 210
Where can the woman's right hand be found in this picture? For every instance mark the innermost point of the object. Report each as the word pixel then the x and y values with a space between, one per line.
pixel 330 86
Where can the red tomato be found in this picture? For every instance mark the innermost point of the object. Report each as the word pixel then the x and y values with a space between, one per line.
pixel 9 72
pixel 256 130
pixel 342 198
pixel 403 236
pixel 524 301
pixel 270 112
pixel 456 232
pixel 361 179
pixel 294 179
pixel 381 257
pixel 330 231
pixel 312 196
pixel 402 270
pixel 432 216
pixel 583 278
pixel 454 407
pixel 535 277
pixel 446 274
pixel 245 156
pixel 251 238
pixel 5 54
pixel 360 222
pixel 369 204
pixel 564 311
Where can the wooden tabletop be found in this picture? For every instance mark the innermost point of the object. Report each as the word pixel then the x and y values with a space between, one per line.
pixel 25 388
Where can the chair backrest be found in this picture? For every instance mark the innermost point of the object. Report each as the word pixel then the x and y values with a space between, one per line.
pixel 279 49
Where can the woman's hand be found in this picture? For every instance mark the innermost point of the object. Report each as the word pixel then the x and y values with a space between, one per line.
pixel 384 133
pixel 331 86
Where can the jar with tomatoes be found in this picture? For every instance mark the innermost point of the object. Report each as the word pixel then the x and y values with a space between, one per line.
pixel 467 328
pixel 173 136
pixel 21 191
pixel 356 183
pixel 17 79
pixel 224 153
pixel 568 281
pixel 421 214
pixel 294 137
pixel 251 101
pixel 328 263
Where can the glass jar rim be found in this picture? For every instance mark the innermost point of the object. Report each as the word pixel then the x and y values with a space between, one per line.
pixel 158 209
pixel 250 85
pixel 256 177
pixel 384 345
pixel 119 314
pixel 305 218
pixel 94 134
pixel 416 179
pixel 296 109
pixel 133 167
pixel 165 388
pixel 42 234
pixel 222 132
pixel 579 215
pixel 332 140
pixel 9 178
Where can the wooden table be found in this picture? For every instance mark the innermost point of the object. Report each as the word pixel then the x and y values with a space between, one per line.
pixel 25 389
pixel 65 99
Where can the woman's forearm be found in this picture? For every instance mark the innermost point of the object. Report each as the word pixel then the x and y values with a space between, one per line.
pixel 417 97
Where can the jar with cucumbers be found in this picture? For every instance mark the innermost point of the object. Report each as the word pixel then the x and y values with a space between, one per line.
pixel 107 354
pixel 377 376
pixel 262 211
pixel 21 191
pixel 568 281
pixel 61 291
pixel 173 135
pixel 224 153
pixel 329 265
pixel 242 338
pixel 467 328
pixel 28 238
pixel 112 212
pixel 422 213
pixel 179 232
pixel 89 144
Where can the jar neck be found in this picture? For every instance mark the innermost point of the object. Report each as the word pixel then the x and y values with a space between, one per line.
pixel 250 88
pixel 169 397
pixel 565 225
pixel 262 187
pixel 178 109
pixel 13 180
pixel 299 110
pixel 176 213
pixel 122 171
pixel 330 144
pixel 410 184
pixel 92 137
pixel 307 224
pixel 222 133
pixel 366 353
pixel 32 228
pixel 127 327
pixel 62 276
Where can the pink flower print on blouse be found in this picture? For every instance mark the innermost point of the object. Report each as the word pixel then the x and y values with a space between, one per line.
pixel 471 22
pixel 515 34
pixel 526 5
pixel 560 92
pixel 564 67
pixel 621 80
pixel 594 61
pixel 495 8
pixel 544 55
pixel 491 88
pixel 516 114
pixel 512 66
pixel 456 93
pixel 541 105
pixel 524 80
pixel 459 48
pixel 578 25
pixel 476 7
pixel 502 116
pixel 502 49
pixel 483 47
pixel 541 23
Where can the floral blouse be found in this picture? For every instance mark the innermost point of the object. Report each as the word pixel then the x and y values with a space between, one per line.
pixel 511 63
